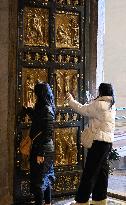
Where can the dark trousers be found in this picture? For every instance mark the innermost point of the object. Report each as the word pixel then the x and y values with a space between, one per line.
pixel 40 196
pixel 41 178
pixel 95 174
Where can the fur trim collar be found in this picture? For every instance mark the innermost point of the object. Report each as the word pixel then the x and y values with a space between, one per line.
pixel 105 98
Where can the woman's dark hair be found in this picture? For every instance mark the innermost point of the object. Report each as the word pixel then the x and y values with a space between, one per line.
pixel 106 89
pixel 45 95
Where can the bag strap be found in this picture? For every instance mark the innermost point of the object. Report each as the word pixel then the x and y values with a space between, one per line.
pixel 36 136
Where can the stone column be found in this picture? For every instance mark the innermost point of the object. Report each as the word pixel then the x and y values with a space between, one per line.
pixel 4 43
pixel 93 27
pixel 100 42
pixel 8 19
pixel 96 44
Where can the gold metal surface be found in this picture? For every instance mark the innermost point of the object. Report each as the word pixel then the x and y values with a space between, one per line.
pixel 29 79
pixel 66 183
pixel 36 22
pixel 65 146
pixel 28 57
pixel 66 81
pixel 66 58
pixel 66 117
pixel 67 30
pixel 25 165
pixel 68 2
pixel 36 52
pixel 31 57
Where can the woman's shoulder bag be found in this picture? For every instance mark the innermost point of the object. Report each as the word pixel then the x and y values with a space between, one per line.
pixel 87 138
pixel 26 144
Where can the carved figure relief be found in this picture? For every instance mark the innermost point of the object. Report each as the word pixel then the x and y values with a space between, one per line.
pixel 66 81
pixel 74 86
pixel 37 57
pixel 58 82
pixel 66 183
pixel 28 57
pixel 36 26
pixel 69 2
pixel 29 78
pixel 45 58
pixel 62 35
pixel 66 117
pixel 74 31
pixel 67 30
pixel 66 149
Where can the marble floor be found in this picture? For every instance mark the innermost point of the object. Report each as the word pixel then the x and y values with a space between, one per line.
pixel 68 201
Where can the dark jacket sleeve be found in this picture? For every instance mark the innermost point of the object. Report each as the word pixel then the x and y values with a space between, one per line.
pixel 44 143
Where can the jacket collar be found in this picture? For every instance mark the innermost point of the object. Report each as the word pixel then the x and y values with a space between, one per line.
pixel 105 98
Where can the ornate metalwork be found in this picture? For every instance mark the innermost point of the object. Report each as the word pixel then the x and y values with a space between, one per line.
pixel 66 146
pixel 28 56
pixel 66 58
pixel 67 30
pixel 25 188
pixel 50 48
pixel 66 81
pixel 66 117
pixel 31 57
pixel 36 26
pixel 70 2
pixel 29 78
pixel 67 183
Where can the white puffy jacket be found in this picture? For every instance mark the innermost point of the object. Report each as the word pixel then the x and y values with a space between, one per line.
pixel 101 117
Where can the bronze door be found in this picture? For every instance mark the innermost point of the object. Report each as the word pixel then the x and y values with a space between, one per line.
pixel 51 48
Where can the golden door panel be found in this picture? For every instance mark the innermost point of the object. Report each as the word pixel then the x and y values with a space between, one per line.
pixel 67 183
pixel 29 79
pixel 36 27
pixel 67 30
pixel 65 81
pixel 66 146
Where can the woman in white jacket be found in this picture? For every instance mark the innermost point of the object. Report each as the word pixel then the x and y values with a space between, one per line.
pixel 101 113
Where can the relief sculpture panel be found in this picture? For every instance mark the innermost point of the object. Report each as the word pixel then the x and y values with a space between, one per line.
pixel 66 81
pixel 67 30
pixel 29 78
pixel 36 27
pixel 67 183
pixel 66 146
